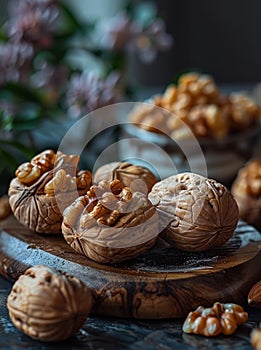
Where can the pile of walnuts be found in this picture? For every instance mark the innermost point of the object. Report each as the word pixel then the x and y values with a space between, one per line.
pixel 196 105
pixel 118 212
pixel 117 215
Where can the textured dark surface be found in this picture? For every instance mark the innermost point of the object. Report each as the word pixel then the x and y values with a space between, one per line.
pixel 118 334
pixel 160 284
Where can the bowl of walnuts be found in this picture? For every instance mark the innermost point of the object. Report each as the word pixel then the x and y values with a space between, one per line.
pixel 225 127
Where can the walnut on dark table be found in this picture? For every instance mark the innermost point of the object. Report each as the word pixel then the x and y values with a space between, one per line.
pixel 218 319
pixel 49 305
pixel 110 223
pixel 195 213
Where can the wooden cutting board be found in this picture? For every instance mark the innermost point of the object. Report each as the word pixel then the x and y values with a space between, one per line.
pixel 163 283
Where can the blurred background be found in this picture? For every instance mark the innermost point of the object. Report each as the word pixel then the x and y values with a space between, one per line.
pixel 61 59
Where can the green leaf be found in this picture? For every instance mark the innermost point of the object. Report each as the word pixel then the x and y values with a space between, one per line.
pixel 23 124
pixel 69 16
pixel 6 121
pixel 23 92
pixel 3 36
pixel 18 146
pixel 29 116
pixel 8 160
pixel 129 8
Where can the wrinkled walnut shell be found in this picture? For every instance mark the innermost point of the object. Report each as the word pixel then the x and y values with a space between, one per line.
pixel 5 208
pixel 38 197
pixel 48 305
pixel 254 295
pixel 137 177
pixel 110 224
pixel 195 213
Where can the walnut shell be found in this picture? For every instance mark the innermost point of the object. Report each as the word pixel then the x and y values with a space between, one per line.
pixel 49 305
pixel 246 190
pixel 195 213
pixel 110 223
pixel 5 208
pixel 137 177
pixel 254 295
pixel 43 188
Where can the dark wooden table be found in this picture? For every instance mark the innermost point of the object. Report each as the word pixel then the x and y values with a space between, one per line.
pixel 109 333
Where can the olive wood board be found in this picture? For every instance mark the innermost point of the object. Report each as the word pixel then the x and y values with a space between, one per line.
pixel 162 283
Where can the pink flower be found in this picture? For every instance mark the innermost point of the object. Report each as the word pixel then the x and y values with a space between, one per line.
pixel 33 21
pixel 151 40
pixel 15 62
pixel 87 92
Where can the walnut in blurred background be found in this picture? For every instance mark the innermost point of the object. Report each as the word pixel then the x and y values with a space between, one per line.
pixel 247 192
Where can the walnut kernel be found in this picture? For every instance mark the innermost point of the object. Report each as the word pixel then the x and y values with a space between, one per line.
pixel 246 189
pixel 198 103
pixel 44 187
pixel 219 319
pixel 28 173
pixel 137 177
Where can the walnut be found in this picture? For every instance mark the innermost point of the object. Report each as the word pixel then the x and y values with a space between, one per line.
pixel 195 213
pixel 84 179
pixel 149 117
pixel 169 97
pixel 254 295
pixel 5 208
pixel 137 177
pixel 208 120
pixel 61 182
pixel 110 223
pixel 49 305
pixel 220 319
pixel 197 85
pixel 197 102
pixel 28 173
pixel 244 111
pixel 44 187
pixel 255 338
pixel 44 160
pixel 246 189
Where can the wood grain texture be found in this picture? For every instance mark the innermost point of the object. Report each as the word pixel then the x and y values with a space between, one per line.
pixel 163 283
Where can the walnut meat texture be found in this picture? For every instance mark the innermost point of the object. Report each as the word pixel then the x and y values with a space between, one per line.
pixel 246 190
pixel 44 187
pixel 110 223
pixel 220 319
pixel 195 213
pixel 196 102
pixel 137 177
pixel 48 305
